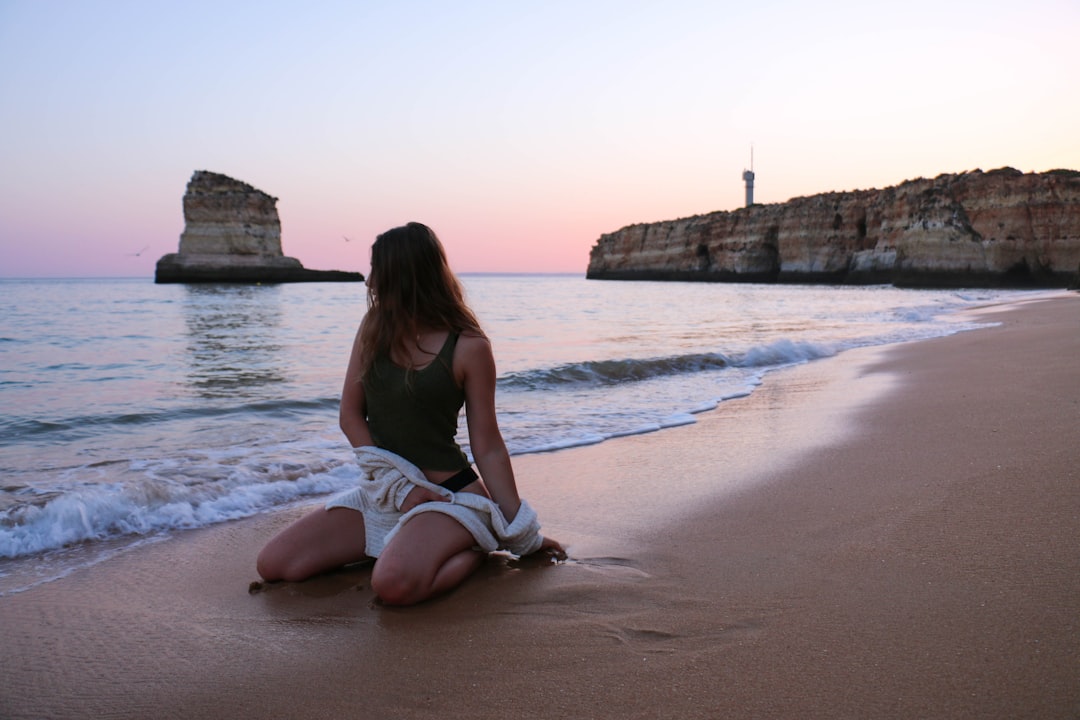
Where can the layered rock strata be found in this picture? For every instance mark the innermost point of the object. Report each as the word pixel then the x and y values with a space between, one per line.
pixel 232 233
pixel 1001 228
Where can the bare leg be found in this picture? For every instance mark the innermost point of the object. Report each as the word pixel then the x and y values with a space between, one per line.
pixel 431 554
pixel 320 541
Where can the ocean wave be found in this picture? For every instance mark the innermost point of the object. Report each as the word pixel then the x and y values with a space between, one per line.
pixel 783 352
pixel 94 512
pixel 18 430
pixel 599 373
pixel 611 372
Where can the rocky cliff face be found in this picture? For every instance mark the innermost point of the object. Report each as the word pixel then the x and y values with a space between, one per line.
pixel 232 233
pixel 998 228
pixel 223 216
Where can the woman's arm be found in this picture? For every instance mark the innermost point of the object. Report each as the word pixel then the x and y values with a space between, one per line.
pixel 352 415
pixel 485 439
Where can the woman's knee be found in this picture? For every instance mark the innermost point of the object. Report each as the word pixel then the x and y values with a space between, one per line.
pixel 397 584
pixel 320 541
pixel 422 560
pixel 406 584
pixel 272 565
pixel 280 561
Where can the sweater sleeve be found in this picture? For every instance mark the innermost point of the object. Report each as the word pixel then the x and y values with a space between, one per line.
pixel 522 536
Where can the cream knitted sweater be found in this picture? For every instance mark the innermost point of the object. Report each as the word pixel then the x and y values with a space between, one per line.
pixel 386 479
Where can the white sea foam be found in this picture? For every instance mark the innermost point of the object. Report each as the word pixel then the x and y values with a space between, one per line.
pixel 677 419
pixel 97 512
pixel 784 352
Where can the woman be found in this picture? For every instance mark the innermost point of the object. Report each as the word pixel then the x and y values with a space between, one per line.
pixel 421 510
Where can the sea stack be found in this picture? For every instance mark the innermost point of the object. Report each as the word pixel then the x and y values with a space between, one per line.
pixel 1001 228
pixel 232 233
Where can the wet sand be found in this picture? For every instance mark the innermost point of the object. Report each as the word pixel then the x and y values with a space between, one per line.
pixel 889 533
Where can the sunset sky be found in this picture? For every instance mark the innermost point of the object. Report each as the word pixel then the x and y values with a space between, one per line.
pixel 519 131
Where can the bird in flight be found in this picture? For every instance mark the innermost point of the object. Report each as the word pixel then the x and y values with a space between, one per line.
pixel 137 254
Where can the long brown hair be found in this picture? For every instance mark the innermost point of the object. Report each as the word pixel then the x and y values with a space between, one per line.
pixel 410 288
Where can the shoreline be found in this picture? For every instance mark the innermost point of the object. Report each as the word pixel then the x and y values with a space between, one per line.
pixel 889 532
pixel 143 465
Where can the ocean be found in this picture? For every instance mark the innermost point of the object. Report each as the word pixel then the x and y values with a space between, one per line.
pixel 131 411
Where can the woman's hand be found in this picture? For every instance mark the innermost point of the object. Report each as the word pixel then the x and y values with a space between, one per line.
pixel 553 548
pixel 420 495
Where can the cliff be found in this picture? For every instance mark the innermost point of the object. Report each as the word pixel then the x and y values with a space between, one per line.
pixel 1002 228
pixel 232 233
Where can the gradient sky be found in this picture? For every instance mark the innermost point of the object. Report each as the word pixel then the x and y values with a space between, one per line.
pixel 519 131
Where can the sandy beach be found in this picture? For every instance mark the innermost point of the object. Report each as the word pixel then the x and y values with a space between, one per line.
pixel 891 533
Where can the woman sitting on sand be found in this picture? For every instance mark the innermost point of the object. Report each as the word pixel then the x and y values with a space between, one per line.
pixel 421 510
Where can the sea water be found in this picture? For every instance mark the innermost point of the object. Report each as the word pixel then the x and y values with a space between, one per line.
pixel 130 410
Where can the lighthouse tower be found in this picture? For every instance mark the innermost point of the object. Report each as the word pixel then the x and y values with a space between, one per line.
pixel 748 178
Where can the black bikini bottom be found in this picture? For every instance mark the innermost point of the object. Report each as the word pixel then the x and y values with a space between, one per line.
pixel 456 482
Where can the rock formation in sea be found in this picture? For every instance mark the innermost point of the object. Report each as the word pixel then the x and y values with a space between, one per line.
pixel 232 234
pixel 1001 228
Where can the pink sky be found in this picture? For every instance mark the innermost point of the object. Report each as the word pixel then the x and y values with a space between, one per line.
pixel 519 132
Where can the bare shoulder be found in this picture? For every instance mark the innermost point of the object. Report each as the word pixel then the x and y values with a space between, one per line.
pixel 473 339
pixel 473 352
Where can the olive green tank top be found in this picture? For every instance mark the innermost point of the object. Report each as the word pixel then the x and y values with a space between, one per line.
pixel 414 413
